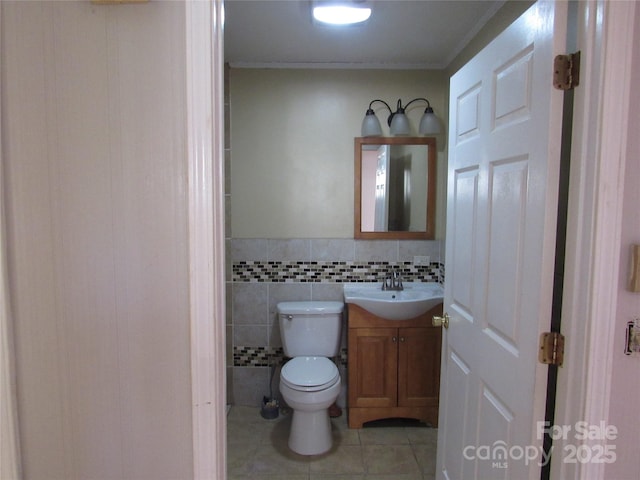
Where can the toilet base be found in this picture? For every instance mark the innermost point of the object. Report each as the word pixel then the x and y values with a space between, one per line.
pixel 310 432
pixel 304 422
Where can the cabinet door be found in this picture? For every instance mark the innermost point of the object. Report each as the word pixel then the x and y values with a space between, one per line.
pixel 373 364
pixel 419 366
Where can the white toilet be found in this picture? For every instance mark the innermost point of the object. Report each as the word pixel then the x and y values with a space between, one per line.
pixel 310 381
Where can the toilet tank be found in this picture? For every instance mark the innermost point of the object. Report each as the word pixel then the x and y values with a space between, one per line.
pixel 310 328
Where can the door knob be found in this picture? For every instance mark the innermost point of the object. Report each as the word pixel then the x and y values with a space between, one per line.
pixel 442 321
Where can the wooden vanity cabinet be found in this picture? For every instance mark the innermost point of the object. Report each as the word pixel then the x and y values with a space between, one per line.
pixel 393 367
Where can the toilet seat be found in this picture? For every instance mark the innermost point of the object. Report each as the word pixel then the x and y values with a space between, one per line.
pixel 309 374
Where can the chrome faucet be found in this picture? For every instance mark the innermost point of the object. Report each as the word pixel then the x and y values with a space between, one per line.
pixel 393 281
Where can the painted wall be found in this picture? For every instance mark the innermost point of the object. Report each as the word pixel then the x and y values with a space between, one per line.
pixel 93 106
pixel 625 383
pixel 292 137
pixel 510 10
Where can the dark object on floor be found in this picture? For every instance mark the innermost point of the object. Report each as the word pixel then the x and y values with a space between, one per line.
pixel 269 408
pixel 335 411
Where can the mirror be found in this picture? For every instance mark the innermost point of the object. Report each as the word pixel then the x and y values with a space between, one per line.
pixel 395 187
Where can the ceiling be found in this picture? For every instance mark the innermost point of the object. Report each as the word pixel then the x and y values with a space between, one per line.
pixel 400 34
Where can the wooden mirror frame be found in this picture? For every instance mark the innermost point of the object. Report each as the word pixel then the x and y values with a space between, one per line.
pixel 429 234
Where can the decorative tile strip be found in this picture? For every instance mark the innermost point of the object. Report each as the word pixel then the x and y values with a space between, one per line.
pixel 332 272
pixel 256 356
pixel 343 357
pixel 267 356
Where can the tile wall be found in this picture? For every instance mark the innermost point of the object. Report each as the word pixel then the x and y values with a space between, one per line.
pixel 263 272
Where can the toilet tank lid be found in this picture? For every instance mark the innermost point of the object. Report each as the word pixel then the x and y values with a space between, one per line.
pixel 317 307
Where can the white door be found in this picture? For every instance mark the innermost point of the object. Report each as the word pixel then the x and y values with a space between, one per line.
pixel 501 220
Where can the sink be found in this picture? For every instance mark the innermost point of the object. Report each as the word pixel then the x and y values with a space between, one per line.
pixel 416 298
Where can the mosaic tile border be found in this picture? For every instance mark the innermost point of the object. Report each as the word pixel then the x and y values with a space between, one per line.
pixel 257 356
pixel 266 356
pixel 332 272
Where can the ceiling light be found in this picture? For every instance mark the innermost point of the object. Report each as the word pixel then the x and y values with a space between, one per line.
pixel 398 121
pixel 341 13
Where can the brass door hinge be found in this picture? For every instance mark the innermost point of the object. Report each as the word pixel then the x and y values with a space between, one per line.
pixel 551 350
pixel 566 71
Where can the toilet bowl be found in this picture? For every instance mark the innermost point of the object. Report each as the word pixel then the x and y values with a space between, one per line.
pixel 310 381
pixel 310 385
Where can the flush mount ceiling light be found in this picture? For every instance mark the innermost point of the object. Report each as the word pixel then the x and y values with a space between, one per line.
pixel 341 13
pixel 398 121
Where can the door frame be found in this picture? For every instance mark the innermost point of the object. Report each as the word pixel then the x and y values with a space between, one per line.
pixel 205 158
pixel 601 111
pixel 596 190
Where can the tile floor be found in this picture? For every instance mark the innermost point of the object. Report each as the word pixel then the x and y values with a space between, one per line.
pixel 257 449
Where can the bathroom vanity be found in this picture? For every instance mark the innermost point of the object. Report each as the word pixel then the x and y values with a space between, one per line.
pixel 393 367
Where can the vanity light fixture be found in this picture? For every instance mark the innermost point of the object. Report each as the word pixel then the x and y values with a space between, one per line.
pixel 341 13
pixel 398 121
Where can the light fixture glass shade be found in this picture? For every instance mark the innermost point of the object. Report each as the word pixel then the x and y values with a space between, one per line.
pixel 429 123
pixel 341 14
pixel 400 124
pixel 371 125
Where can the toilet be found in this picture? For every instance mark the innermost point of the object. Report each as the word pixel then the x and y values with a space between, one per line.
pixel 310 381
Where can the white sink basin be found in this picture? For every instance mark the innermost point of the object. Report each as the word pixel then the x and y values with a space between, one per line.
pixel 416 298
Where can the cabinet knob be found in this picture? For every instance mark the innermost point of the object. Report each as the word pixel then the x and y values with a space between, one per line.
pixel 442 321
pixel 402 339
pixel 394 339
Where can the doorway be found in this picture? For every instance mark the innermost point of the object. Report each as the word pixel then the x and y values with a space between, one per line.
pixel 584 253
